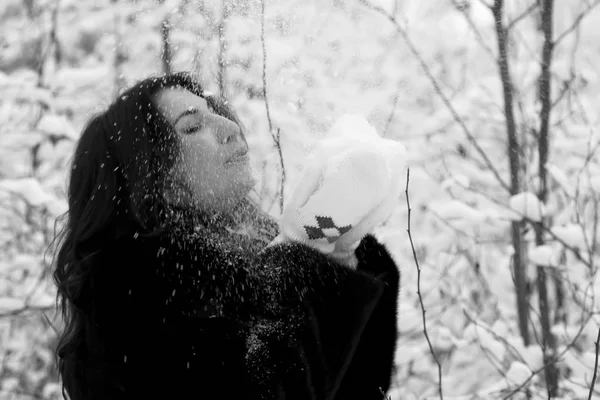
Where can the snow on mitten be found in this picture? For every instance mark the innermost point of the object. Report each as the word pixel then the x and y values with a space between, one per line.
pixel 350 184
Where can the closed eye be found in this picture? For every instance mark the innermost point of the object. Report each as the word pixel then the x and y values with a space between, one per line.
pixel 192 129
pixel 228 139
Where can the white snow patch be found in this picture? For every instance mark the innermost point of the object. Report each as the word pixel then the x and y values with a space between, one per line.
pixel 456 209
pixel 77 78
pixel 29 189
pixel 561 178
pixel 445 340
pixel 460 180
pixel 487 340
pixel 42 299
pixel 571 234
pixel 580 365
pixel 8 304
pixel 57 125
pixel 543 255
pixel 527 205
pixel 533 357
pixel 518 373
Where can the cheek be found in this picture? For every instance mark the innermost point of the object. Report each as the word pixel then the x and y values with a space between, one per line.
pixel 200 162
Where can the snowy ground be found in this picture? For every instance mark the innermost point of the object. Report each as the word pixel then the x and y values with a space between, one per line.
pixel 325 59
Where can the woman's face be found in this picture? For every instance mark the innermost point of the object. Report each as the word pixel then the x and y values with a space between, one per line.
pixel 214 161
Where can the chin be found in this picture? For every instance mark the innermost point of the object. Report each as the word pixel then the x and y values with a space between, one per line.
pixel 243 186
pixel 247 178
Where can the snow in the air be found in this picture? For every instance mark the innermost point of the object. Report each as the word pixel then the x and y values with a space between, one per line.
pixel 343 61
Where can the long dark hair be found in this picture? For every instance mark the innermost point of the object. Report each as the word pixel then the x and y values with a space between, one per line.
pixel 119 171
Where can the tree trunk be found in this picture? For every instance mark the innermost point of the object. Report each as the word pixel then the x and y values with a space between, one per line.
pixel 515 166
pixel 548 342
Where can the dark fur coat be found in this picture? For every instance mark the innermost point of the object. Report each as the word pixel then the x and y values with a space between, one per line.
pixel 181 316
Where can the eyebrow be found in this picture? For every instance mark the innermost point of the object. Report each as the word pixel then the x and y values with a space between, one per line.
pixel 189 111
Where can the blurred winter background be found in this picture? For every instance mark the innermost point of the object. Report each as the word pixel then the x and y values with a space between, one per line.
pixel 493 99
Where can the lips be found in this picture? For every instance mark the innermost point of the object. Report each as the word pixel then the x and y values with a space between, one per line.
pixel 238 157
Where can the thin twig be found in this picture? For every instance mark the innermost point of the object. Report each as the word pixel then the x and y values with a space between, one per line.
pixel 22 393
pixel 276 136
pixel 439 366
pixel 553 359
pixel 566 88
pixel 394 106
pixel 166 53
pixel 24 309
pixel 50 323
pixel 439 91
pixel 221 61
pixel 280 152
pixel 478 35
pixel 596 343
pixel 518 18
pixel 264 69
pixel 577 21
pixel 52 44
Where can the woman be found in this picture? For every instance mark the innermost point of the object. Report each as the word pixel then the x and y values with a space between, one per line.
pixel 165 282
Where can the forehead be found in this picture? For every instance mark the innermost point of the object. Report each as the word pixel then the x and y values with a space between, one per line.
pixel 171 102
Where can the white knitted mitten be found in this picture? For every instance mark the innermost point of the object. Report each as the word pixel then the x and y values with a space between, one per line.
pixel 350 183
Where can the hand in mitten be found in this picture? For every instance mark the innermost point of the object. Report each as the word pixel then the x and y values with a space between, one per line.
pixel 350 184
pixel 375 259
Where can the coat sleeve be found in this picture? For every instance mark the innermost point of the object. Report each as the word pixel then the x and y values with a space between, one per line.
pixel 344 310
pixel 370 372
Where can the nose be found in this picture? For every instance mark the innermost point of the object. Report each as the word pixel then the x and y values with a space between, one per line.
pixel 228 131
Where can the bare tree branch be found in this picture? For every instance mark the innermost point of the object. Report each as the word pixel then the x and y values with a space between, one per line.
pixel 394 106
pixel 478 35
pixel 51 45
pixel 26 308
pixel 577 21
pixel 566 88
pixel 276 136
pixel 166 53
pixel 524 14
pixel 554 359
pixel 264 69
pixel 594 233
pixel 439 366
pixel 221 77
pixel 597 344
pixel 439 91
